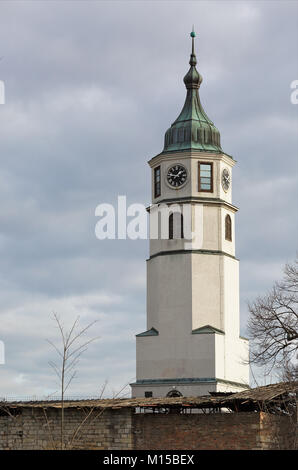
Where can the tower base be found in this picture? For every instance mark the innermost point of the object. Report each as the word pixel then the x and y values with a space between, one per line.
pixel 183 387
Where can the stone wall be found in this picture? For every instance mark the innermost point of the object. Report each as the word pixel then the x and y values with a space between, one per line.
pixel 37 428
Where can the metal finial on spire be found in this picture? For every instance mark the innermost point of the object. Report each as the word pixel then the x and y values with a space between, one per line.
pixel 193 59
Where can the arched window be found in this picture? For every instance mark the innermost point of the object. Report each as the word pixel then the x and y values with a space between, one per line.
pixel 171 226
pixel 174 393
pixel 175 225
pixel 228 228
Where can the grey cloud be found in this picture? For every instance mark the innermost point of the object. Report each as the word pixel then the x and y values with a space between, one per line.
pixel 91 88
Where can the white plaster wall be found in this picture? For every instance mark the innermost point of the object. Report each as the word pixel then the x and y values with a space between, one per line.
pixel 164 244
pixel 220 366
pixel 185 292
pixel 236 359
pixel 161 390
pixel 206 290
pixel 236 348
pixel 188 390
pixel 226 245
pixel 231 297
pixel 230 387
pixel 158 246
pixel 207 229
pixel 211 228
pixel 169 293
pixel 169 356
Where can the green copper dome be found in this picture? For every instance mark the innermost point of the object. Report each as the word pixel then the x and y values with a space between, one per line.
pixel 192 129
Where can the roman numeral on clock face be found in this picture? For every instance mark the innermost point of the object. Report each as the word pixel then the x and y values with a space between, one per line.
pixel 176 176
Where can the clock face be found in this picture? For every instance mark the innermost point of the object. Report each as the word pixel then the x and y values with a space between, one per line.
pixel 225 179
pixel 176 176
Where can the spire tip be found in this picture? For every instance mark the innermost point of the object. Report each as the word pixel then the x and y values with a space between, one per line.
pixel 193 59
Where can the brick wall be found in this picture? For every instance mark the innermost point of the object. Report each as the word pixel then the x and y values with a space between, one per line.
pixel 34 428
pixel 277 432
pixel 213 431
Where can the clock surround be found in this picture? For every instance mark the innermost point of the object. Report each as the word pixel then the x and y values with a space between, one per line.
pixel 176 176
pixel 225 179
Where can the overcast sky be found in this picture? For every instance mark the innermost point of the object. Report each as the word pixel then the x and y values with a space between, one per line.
pixel 91 88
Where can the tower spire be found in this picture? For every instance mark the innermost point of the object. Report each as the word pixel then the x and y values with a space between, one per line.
pixel 192 129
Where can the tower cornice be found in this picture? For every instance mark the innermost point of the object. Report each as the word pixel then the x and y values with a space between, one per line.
pixel 207 201
pixel 191 153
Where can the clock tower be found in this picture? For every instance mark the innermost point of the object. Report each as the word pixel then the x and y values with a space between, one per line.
pixel 192 343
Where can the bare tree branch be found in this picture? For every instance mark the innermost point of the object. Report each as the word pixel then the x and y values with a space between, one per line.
pixel 273 323
pixel 69 356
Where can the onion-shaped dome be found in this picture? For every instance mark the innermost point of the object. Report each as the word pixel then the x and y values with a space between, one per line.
pixel 192 129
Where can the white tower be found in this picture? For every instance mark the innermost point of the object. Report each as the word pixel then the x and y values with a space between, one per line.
pixel 192 344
